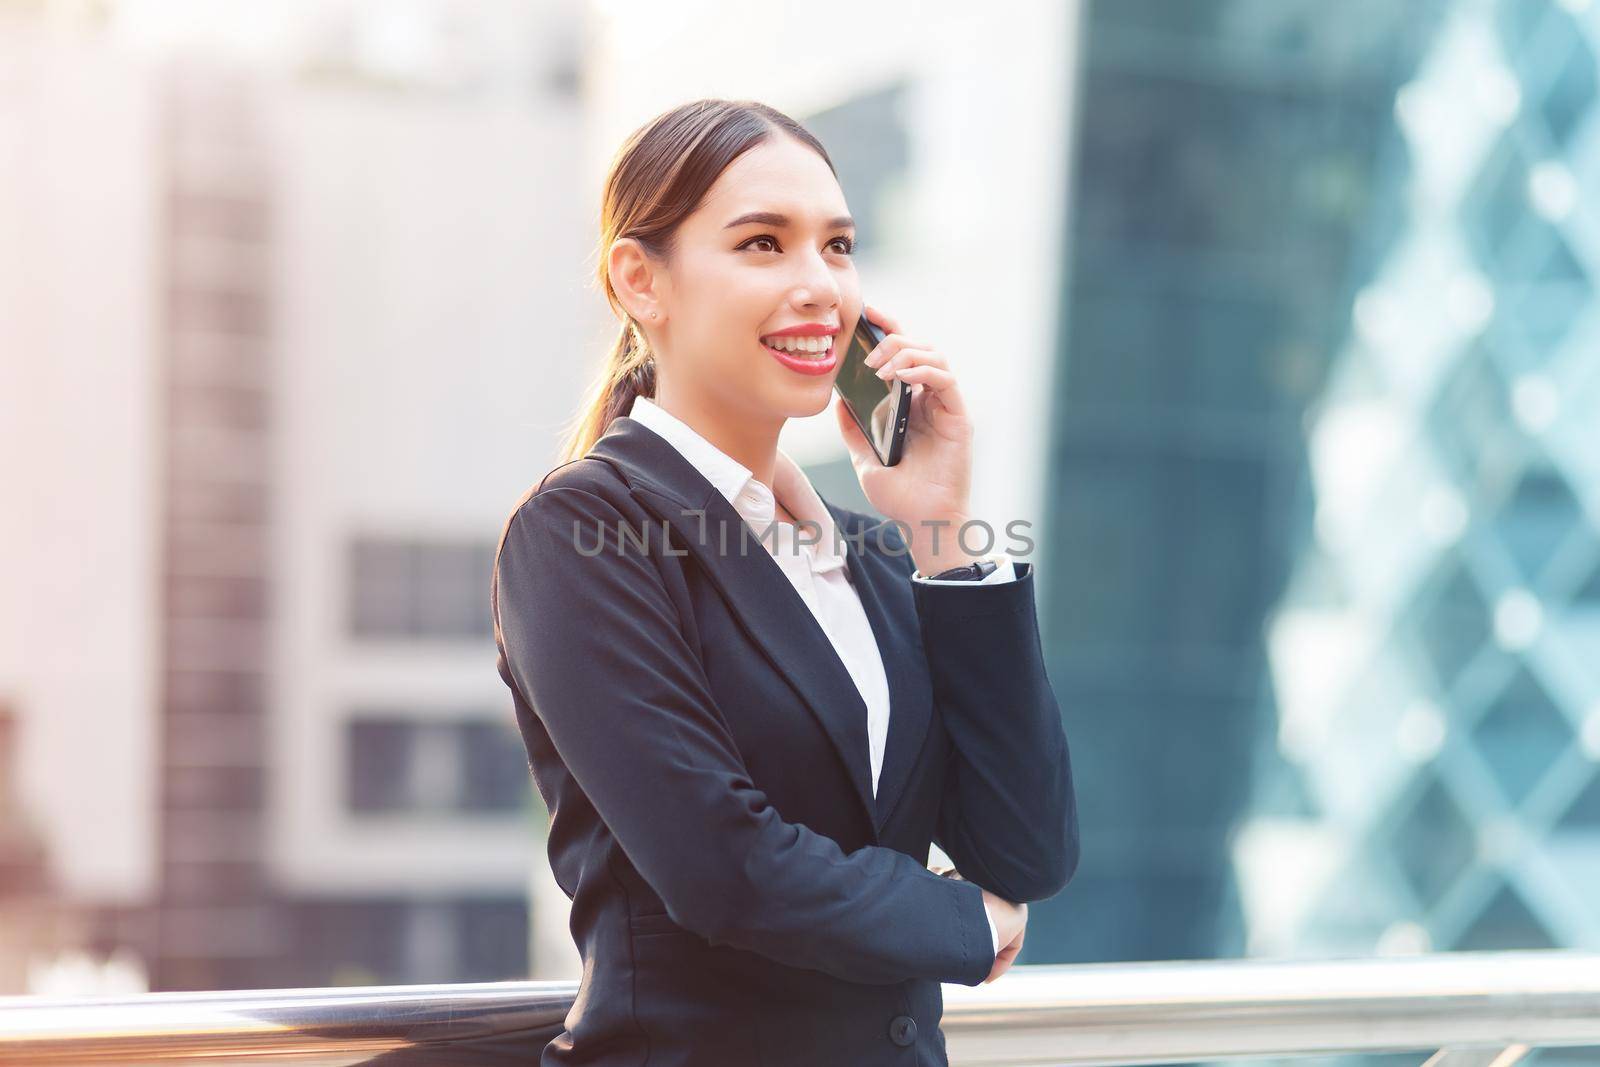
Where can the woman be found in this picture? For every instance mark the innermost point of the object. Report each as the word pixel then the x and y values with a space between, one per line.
pixel 746 750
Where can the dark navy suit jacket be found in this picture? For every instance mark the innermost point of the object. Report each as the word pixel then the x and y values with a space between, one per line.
pixel 739 895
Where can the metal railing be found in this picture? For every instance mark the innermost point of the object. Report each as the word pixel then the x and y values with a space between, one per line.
pixel 1478 1009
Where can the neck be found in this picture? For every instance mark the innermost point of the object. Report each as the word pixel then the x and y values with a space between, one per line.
pixel 753 442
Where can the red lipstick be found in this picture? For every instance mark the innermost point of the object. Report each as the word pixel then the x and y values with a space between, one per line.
pixel 818 363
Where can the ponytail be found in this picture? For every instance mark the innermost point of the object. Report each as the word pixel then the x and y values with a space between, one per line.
pixel 629 371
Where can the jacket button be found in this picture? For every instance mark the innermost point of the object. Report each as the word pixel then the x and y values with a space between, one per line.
pixel 903 1030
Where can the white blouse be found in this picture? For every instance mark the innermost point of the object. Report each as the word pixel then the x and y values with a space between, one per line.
pixel 817 571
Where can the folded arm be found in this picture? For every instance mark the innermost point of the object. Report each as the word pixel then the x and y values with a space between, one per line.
pixel 1008 819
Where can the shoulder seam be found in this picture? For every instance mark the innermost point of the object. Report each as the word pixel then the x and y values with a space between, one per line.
pixel 578 489
pixel 610 469
pixel 642 533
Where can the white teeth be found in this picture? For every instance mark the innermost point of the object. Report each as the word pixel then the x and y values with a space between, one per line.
pixel 804 346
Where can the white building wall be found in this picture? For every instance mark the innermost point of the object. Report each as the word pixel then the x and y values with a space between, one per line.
pixel 78 461
pixel 431 318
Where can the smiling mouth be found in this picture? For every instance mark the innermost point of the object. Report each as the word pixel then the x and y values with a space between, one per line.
pixel 801 353
pixel 803 361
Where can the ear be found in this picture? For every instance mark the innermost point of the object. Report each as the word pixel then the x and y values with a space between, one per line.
pixel 637 279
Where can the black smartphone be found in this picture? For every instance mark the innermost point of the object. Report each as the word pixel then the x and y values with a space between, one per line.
pixel 881 408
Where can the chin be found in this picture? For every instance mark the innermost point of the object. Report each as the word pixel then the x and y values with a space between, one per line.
pixel 806 401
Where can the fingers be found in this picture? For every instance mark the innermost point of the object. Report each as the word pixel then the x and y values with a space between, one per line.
pixel 937 380
pixel 909 354
pixel 1011 949
pixel 915 363
pixel 1002 964
pixel 892 344
pixel 1006 956
pixel 879 319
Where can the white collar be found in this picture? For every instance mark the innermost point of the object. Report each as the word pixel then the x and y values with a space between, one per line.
pixel 754 502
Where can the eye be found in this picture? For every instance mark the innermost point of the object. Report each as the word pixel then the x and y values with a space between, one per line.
pixel 849 244
pixel 753 240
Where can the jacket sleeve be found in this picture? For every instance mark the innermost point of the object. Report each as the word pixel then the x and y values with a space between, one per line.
pixel 595 644
pixel 1008 819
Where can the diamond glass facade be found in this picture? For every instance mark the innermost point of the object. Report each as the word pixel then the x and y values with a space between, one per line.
pixel 1325 529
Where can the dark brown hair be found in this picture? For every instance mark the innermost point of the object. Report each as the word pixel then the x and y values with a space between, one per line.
pixel 657 179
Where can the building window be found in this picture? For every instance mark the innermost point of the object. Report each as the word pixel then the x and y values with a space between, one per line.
pixel 494 767
pixel 413 589
pixel 400 764
pixel 388 940
pixel 379 765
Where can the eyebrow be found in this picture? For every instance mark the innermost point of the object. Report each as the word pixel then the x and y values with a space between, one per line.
pixel 773 218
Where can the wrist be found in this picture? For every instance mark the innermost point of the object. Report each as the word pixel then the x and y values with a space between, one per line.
pixel 935 544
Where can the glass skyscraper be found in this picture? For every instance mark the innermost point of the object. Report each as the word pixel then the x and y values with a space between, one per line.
pixel 1325 535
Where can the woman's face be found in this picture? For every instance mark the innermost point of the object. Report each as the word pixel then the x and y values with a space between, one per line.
pixel 729 287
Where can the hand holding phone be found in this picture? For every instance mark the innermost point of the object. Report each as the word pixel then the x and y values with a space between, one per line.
pixel 880 408
pixel 921 410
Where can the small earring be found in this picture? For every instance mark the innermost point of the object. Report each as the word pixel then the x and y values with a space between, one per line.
pixel 653 314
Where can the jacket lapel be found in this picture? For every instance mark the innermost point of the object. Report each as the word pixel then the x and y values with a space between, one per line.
pixel 755 587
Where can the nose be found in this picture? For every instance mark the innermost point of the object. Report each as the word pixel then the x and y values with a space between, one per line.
pixel 818 285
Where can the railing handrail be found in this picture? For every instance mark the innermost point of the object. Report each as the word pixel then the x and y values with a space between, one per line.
pixel 1104 1013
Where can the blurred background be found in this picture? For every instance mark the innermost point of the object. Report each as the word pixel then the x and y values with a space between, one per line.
pixel 1277 316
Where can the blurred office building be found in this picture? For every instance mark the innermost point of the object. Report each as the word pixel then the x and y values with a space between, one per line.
pixel 278 361
pixel 1327 513
pixel 1437 649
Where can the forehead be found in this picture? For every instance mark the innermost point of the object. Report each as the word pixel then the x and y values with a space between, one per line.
pixel 779 175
